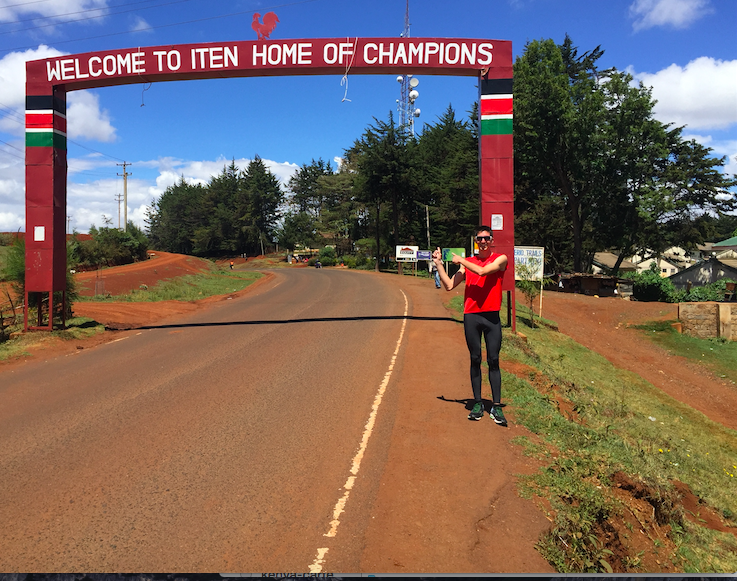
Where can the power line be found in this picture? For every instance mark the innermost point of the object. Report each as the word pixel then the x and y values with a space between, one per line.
pixel 68 13
pixel 13 116
pixel 27 3
pixel 93 150
pixel 14 147
pixel 262 8
pixel 83 19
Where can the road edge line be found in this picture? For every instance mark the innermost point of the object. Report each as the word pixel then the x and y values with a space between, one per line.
pixel 319 561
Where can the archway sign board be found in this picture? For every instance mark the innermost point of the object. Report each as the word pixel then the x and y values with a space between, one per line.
pixel 49 80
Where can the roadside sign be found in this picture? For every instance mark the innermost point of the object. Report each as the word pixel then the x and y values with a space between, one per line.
pixel 424 255
pixel 407 253
pixel 530 256
pixel 449 252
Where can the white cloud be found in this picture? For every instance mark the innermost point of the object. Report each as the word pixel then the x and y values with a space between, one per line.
pixel 93 161
pixel 56 10
pixel 11 222
pixel 701 95
pixel 200 172
pixel 140 25
pixel 673 13
pixel 85 118
pixel 13 86
pixel 88 203
pixel 721 148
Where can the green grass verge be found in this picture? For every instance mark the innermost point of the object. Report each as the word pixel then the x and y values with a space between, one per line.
pixel 3 253
pixel 188 288
pixel 717 355
pixel 624 424
pixel 77 328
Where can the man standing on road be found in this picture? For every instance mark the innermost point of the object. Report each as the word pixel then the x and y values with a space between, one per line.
pixel 482 301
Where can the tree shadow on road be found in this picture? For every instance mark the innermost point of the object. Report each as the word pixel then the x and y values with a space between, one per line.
pixel 126 327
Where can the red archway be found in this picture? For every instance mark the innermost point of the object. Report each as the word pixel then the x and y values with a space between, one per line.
pixel 49 80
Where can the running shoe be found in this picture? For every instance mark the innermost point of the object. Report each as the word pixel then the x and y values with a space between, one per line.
pixel 477 412
pixel 497 415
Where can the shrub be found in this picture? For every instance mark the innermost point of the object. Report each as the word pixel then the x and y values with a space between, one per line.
pixel 709 292
pixel 15 273
pixel 110 247
pixel 650 286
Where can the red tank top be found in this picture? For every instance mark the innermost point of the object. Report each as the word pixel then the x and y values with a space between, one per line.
pixel 483 293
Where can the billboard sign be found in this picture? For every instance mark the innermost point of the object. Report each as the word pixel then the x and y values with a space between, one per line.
pixel 449 252
pixel 407 253
pixel 529 257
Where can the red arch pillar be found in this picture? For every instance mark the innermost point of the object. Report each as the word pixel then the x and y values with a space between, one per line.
pixel 496 172
pixel 46 197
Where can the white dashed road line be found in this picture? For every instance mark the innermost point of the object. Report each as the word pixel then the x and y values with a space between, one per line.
pixel 319 561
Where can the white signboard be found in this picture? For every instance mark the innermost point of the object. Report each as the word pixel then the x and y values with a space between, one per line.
pixel 407 253
pixel 497 222
pixel 531 256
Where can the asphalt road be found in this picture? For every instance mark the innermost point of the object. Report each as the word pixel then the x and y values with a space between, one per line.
pixel 222 442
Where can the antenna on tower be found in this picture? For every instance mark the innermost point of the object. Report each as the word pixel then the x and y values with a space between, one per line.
pixel 407 92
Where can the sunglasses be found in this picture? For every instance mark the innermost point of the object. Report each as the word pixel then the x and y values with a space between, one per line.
pixel 483 238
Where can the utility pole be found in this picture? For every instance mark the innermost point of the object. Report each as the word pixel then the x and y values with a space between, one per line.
pixel 118 198
pixel 125 175
pixel 427 216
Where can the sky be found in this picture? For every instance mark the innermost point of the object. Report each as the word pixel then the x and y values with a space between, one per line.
pixel 686 50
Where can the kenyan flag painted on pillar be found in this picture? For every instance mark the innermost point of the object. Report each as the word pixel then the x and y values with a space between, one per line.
pixel 496 107
pixel 46 122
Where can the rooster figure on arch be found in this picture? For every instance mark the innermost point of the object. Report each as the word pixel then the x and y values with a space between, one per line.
pixel 264 30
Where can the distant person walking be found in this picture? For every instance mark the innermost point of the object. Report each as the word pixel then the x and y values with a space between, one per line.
pixel 231 265
pixel 435 273
pixel 482 302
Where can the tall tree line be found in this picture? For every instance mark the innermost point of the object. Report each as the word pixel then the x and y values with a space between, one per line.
pixel 387 185
pixel 237 212
pixel 594 170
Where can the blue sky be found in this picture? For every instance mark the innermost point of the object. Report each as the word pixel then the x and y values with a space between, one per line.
pixel 685 49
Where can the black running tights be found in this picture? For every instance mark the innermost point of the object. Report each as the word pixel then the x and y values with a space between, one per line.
pixel 488 324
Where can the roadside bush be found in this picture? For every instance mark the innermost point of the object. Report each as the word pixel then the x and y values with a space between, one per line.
pixel 14 270
pixel 364 263
pixel 650 286
pixel 709 292
pixel 15 273
pixel 349 261
pixel 110 247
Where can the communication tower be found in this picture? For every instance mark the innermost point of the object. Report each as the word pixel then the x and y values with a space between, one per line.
pixel 408 89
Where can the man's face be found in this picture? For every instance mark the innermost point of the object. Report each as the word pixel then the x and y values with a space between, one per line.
pixel 483 239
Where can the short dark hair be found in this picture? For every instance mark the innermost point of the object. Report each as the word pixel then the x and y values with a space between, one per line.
pixel 483 228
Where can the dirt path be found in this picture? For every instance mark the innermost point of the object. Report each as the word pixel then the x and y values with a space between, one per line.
pixel 603 325
pixel 123 279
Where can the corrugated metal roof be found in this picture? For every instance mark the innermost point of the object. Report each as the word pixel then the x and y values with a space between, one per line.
pixel 726 243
